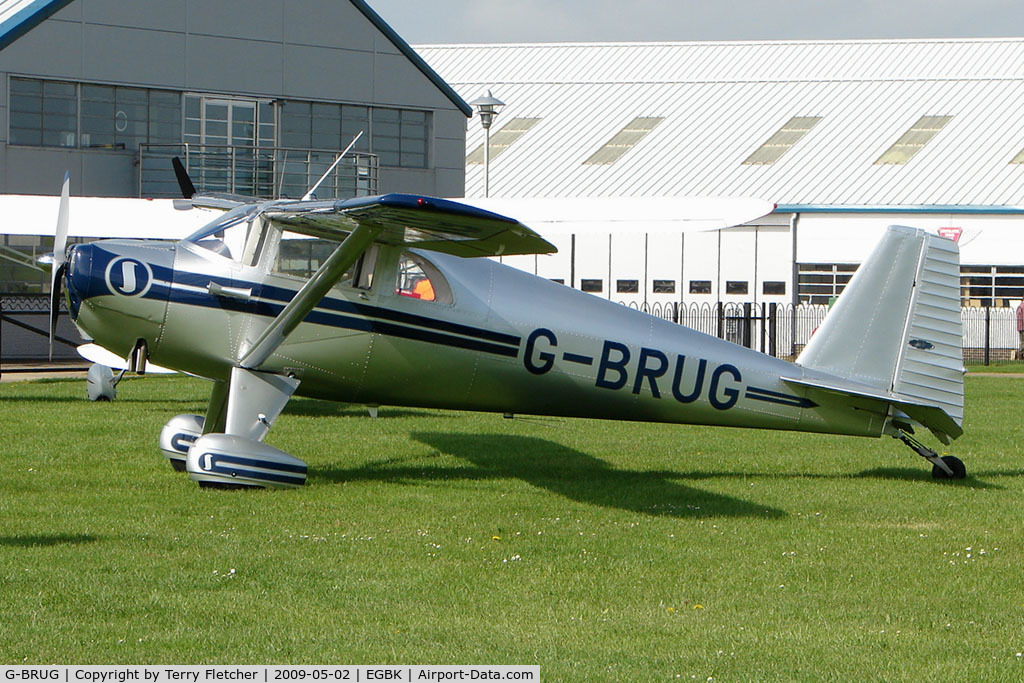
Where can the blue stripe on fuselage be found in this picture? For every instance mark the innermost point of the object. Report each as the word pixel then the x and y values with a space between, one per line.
pixel 269 300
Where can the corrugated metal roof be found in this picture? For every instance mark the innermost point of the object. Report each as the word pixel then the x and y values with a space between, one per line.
pixel 721 101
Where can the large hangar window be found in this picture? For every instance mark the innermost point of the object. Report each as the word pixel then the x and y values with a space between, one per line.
pixel 980 285
pixel 998 286
pixel 399 137
pixel 63 114
pixel 819 283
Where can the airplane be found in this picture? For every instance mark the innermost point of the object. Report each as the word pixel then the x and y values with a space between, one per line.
pixel 403 310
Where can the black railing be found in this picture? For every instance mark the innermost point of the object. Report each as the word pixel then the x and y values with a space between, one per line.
pixel 266 172
pixel 25 330
pixel 990 335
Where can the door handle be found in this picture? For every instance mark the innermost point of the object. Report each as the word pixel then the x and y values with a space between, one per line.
pixel 229 292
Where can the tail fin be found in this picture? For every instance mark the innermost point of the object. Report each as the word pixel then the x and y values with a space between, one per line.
pixel 895 331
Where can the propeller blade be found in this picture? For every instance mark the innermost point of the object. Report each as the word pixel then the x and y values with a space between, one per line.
pixel 55 293
pixel 188 190
pixel 60 243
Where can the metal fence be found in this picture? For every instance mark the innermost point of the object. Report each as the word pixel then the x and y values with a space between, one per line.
pixel 264 172
pixel 24 331
pixel 990 335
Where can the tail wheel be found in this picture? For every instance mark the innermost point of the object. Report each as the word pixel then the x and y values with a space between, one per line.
pixel 953 463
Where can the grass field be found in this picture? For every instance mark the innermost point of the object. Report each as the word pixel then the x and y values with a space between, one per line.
pixel 1013 368
pixel 598 550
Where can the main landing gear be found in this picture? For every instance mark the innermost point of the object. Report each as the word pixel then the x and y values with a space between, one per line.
pixel 944 467
pixel 225 448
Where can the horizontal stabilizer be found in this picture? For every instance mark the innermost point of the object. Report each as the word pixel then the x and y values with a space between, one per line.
pixel 933 417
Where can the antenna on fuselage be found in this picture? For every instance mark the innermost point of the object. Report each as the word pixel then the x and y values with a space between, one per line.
pixel 309 194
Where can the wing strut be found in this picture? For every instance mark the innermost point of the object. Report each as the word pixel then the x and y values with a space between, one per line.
pixel 310 295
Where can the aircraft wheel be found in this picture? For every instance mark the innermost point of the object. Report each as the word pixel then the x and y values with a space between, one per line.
pixel 953 463
pixel 227 461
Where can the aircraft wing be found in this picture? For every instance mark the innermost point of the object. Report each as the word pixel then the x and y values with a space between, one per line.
pixel 421 222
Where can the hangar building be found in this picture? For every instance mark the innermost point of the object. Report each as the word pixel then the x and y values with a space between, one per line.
pixel 258 97
pixel 845 136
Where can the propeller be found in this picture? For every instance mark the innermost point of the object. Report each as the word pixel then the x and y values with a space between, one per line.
pixel 188 190
pixel 60 243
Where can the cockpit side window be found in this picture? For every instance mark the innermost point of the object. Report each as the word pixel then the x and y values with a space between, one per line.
pixel 420 279
pixel 301 257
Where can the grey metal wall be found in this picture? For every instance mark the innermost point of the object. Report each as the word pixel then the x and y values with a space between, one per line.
pixel 323 50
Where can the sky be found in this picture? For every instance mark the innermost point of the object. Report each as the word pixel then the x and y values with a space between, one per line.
pixel 523 21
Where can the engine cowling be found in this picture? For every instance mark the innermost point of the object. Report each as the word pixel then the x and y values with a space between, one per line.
pixel 177 436
pixel 226 461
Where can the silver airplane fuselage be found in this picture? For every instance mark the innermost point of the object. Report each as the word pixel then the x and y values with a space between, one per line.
pixel 506 342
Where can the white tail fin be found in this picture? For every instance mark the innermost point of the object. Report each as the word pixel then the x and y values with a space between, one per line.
pixel 896 329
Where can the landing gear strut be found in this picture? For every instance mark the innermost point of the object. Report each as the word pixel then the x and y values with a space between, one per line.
pixel 945 467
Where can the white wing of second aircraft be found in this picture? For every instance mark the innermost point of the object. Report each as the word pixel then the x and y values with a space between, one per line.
pixel 102 217
pixel 109 217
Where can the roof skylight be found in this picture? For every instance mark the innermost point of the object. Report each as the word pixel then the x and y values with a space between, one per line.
pixel 782 140
pixel 500 141
pixel 623 141
pixel 911 142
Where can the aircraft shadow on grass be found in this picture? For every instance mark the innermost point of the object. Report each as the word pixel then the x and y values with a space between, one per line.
pixel 45 540
pixel 82 400
pixel 561 470
pixel 919 474
pixel 891 473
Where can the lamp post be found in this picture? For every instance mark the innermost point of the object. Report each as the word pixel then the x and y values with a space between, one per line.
pixel 487 106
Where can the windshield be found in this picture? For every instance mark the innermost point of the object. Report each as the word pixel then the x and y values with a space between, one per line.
pixel 236 235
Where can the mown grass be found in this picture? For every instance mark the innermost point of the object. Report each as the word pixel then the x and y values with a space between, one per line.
pixel 1010 367
pixel 598 550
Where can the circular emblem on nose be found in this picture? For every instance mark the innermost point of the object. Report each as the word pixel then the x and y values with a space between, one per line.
pixel 128 276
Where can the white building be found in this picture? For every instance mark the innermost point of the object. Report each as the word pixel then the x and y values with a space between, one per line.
pixel 845 136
